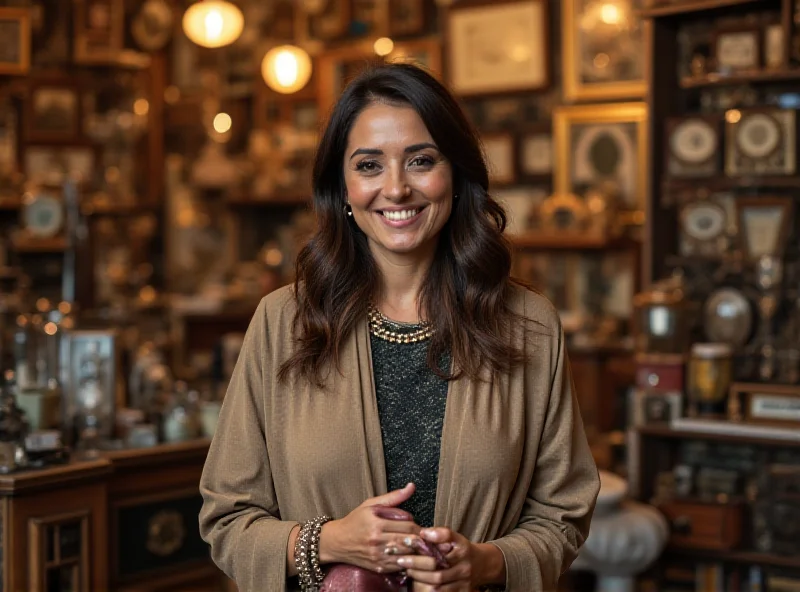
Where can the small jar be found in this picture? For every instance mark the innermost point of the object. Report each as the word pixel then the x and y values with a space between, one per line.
pixel 709 380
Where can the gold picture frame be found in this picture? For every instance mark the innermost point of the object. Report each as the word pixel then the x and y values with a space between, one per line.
pixel 99 33
pixel 575 88
pixel 15 41
pixel 622 122
pixel 484 42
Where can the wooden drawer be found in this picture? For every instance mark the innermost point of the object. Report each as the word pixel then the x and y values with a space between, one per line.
pixel 704 525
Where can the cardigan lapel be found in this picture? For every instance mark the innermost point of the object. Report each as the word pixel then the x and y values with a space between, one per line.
pixel 376 464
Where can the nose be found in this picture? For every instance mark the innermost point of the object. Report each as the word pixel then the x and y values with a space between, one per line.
pixel 396 184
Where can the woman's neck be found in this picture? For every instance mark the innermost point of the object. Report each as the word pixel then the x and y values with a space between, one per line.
pixel 401 285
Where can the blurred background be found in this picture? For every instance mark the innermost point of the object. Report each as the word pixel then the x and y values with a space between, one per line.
pixel 155 161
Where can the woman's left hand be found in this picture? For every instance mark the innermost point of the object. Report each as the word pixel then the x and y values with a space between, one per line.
pixel 459 577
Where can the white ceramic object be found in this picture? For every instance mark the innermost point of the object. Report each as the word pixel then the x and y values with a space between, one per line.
pixel 625 537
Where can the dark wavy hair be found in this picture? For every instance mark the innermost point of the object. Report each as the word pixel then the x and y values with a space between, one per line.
pixel 469 281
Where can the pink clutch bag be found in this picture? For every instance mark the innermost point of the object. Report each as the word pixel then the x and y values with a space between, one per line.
pixel 342 577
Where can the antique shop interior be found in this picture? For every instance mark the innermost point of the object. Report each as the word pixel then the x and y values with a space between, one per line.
pixel 155 183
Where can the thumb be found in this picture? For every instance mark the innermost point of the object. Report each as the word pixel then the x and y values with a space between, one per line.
pixel 393 498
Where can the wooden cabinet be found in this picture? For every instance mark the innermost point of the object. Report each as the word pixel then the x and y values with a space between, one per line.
pixel 125 522
pixel 54 528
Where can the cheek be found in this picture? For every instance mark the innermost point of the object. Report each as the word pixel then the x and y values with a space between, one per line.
pixel 359 190
pixel 436 188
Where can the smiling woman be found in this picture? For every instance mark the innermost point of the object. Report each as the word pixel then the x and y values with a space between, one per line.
pixel 399 185
pixel 404 368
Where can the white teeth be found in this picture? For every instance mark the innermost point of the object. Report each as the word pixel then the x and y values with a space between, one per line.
pixel 402 214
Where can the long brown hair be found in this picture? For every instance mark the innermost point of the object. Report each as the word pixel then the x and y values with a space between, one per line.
pixel 468 283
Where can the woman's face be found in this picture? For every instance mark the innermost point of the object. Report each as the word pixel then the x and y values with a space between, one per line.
pixel 399 185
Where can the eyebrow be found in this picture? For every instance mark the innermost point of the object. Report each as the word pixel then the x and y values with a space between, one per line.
pixel 409 149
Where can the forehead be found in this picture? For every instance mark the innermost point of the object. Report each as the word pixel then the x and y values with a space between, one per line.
pixel 383 124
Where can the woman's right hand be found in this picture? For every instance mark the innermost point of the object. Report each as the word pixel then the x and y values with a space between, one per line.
pixel 364 539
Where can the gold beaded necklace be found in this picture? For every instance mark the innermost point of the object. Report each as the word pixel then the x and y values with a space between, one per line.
pixel 378 327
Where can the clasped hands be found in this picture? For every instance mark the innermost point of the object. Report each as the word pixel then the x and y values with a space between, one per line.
pixel 365 539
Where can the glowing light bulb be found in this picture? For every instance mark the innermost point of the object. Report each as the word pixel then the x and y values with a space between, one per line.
pixel 213 24
pixel 286 68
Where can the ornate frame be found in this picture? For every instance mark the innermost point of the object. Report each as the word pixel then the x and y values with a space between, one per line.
pixel 574 89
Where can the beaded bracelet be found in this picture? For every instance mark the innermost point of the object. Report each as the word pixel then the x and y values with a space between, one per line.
pixel 306 554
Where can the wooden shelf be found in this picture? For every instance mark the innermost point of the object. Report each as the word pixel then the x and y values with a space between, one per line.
pixel 753 557
pixel 665 431
pixel 782 75
pixel 40 245
pixel 679 8
pixel 545 242
pixel 287 199
pixel 119 210
pixel 723 183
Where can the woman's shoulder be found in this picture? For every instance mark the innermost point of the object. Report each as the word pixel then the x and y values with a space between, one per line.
pixel 279 306
pixel 534 307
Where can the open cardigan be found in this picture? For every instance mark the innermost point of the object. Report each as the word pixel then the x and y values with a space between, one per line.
pixel 515 467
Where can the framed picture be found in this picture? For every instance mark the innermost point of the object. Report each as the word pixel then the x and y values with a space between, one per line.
pixel 15 41
pixel 53 112
pixel 737 49
pixel 765 404
pixel 602 145
pixel 50 166
pixel 407 17
pixel 99 31
pixel 603 50
pixel 329 20
pixel 426 53
pixel 339 66
pixel 764 224
pixel 535 153
pixel 498 46
pixel 500 157
pixel 521 205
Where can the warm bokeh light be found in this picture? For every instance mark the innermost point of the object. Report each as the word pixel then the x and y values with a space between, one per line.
pixel 141 106
pixel 222 123
pixel 286 68
pixel 51 328
pixel 610 14
pixel 213 23
pixel 733 116
pixel 383 46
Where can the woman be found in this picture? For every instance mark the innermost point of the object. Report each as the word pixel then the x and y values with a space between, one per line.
pixel 403 368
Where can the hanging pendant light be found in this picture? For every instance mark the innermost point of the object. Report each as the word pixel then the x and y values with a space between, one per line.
pixel 286 69
pixel 213 23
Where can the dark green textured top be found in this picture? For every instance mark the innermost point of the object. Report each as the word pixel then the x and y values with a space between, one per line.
pixel 411 404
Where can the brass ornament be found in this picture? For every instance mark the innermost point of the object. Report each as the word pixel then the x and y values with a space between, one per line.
pixel 165 533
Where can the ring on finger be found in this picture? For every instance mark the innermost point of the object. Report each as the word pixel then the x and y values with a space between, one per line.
pixel 392 549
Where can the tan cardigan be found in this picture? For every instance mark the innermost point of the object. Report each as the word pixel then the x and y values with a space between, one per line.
pixel 515 466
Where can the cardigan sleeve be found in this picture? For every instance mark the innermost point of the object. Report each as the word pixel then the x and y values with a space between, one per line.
pixel 239 518
pixel 558 508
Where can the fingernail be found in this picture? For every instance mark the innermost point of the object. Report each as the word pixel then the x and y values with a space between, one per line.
pixel 404 561
pixel 426 533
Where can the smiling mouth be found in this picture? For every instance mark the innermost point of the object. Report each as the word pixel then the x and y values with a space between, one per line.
pixel 398 215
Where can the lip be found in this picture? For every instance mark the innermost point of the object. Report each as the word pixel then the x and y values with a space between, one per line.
pixel 400 223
